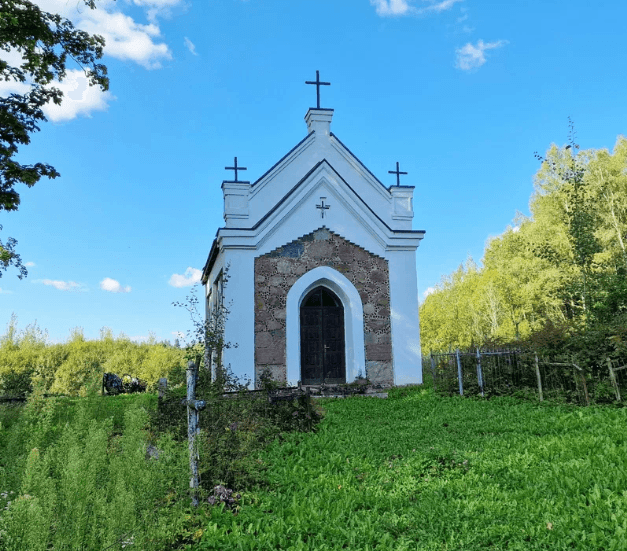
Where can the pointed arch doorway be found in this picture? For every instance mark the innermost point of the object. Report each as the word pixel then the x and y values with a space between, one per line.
pixel 322 350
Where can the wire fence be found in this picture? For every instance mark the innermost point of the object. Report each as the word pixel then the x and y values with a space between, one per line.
pixel 524 373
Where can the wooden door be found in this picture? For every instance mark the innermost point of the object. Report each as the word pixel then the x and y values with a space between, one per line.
pixel 322 357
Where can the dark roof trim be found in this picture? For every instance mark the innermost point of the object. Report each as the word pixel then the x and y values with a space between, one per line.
pixel 281 159
pixel 359 161
pixel 213 254
pixel 408 187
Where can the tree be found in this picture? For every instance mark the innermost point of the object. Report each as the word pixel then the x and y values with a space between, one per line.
pixel 44 41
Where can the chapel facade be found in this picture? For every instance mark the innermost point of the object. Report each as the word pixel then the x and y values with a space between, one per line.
pixel 321 265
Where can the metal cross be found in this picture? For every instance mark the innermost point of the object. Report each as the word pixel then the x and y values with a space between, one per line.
pixel 398 174
pixel 235 168
pixel 318 84
pixel 322 206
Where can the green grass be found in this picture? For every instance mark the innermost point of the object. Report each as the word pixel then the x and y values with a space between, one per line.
pixel 415 471
pixel 426 472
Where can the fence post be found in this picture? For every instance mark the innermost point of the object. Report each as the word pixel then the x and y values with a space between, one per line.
pixel 479 372
pixel 459 374
pixel 163 387
pixel 613 379
pixel 193 407
pixel 538 377
pixel 433 370
pixel 585 386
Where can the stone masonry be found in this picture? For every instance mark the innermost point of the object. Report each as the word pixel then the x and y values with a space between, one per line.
pixel 277 271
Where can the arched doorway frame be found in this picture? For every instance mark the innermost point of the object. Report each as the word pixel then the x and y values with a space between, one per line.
pixel 353 320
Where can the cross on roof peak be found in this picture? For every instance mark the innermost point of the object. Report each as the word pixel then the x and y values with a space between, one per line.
pixel 235 168
pixel 318 83
pixel 398 174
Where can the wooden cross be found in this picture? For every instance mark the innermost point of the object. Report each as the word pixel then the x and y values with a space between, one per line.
pixel 322 206
pixel 398 174
pixel 235 168
pixel 318 84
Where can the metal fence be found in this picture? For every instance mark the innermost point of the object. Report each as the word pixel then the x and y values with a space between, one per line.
pixel 507 372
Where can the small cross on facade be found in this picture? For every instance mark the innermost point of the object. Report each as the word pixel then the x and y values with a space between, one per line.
pixel 235 168
pixel 322 206
pixel 398 174
pixel 318 84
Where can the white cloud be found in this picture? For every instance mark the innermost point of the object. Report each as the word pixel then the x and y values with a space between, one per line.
pixel 29 264
pixel 516 229
pixel 471 57
pixel 125 38
pixel 157 8
pixel 403 7
pixel 428 291
pixel 63 285
pixel 113 286
pixel 190 46
pixel 78 98
pixel 191 276
pixel 391 7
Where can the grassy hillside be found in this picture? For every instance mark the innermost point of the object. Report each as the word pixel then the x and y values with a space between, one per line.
pixel 424 472
pixel 415 471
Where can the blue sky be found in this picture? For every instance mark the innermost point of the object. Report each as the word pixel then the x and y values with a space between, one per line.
pixel 460 92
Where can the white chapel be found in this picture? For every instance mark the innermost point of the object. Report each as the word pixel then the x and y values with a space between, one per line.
pixel 321 261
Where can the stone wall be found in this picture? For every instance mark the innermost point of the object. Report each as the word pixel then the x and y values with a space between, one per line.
pixel 277 271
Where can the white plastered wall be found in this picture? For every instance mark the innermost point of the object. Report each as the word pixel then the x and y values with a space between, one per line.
pixel 239 298
pixel 404 314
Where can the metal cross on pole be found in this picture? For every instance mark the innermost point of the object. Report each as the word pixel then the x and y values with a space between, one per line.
pixel 318 84
pixel 235 168
pixel 398 174
pixel 322 206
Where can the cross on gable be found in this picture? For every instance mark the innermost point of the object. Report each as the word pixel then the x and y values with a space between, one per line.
pixel 398 174
pixel 235 168
pixel 318 84
pixel 322 206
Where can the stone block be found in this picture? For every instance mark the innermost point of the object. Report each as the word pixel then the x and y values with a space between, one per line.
pixel 320 249
pixel 280 314
pixel 378 276
pixel 369 308
pixel 283 266
pixel 273 325
pixel 378 372
pixel 263 340
pixel 378 324
pixel 276 281
pixel 262 316
pixel 322 235
pixel 379 352
pixel 260 279
pixel 273 355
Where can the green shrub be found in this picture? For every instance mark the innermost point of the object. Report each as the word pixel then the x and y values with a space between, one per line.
pixel 83 485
